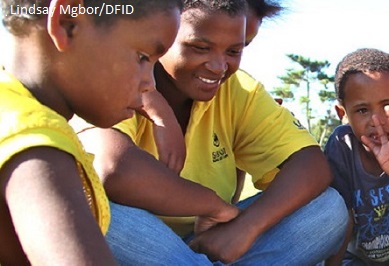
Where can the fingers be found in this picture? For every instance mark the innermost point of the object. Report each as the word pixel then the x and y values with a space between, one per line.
pixel 368 143
pixel 383 136
pixel 176 164
pixel 382 127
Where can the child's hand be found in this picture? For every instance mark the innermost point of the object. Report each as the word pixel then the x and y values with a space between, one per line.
pixel 381 152
pixel 171 145
pixel 167 132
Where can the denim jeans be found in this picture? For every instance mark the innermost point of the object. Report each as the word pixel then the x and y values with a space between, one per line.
pixel 306 237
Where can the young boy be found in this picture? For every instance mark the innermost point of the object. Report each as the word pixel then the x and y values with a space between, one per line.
pixel 96 65
pixel 358 153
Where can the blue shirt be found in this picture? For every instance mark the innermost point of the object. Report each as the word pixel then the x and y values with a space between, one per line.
pixel 365 194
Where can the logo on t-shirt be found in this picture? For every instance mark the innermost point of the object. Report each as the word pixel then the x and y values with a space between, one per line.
pixel 220 154
pixel 298 124
pixel 216 142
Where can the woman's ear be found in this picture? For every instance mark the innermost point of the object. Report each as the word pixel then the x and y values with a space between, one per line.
pixel 341 112
pixel 61 27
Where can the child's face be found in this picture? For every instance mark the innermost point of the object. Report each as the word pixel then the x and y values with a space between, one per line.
pixel 110 67
pixel 366 94
pixel 206 52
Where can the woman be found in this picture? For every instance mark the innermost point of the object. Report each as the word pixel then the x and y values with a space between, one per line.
pixel 229 121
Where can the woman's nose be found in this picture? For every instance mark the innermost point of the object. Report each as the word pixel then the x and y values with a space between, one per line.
pixel 217 65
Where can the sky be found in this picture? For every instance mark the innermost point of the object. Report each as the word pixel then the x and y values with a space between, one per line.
pixel 317 29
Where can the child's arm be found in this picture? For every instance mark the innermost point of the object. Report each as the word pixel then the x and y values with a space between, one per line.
pixel 133 177
pixel 167 132
pixel 45 198
pixel 381 152
pixel 336 259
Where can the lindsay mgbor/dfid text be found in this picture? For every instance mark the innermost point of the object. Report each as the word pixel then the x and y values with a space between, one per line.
pixel 73 11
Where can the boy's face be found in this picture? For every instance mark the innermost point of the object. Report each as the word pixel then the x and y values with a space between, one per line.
pixel 108 68
pixel 366 94
pixel 206 52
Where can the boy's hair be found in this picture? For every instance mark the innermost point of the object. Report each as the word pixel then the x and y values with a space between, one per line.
pixel 265 9
pixel 231 7
pixel 104 11
pixel 361 60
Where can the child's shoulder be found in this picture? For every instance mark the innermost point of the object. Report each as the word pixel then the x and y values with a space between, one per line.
pixel 342 136
pixel 342 131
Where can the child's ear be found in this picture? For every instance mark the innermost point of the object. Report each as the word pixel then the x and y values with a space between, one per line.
pixel 61 27
pixel 341 112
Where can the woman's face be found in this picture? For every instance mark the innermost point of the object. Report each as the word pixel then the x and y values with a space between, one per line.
pixel 206 51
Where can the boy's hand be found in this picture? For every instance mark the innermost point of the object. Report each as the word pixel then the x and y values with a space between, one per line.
pixel 167 132
pixel 381 152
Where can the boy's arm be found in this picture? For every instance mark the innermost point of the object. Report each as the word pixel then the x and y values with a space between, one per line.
pixel 133 177
pixel 45 198
pixel 167 132
pixel 336 259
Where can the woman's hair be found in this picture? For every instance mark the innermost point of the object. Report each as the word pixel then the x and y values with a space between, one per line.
pixel 231 7
pixel 359 61
pixel 16 13
pixel 265 9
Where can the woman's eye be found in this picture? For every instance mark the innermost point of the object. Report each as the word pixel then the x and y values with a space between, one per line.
pixel 235 52
pixel 143 57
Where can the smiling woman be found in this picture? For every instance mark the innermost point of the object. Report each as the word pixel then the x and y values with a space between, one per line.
pixel 229 121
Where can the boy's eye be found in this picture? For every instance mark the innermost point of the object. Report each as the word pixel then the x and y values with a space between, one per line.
pixel 362 110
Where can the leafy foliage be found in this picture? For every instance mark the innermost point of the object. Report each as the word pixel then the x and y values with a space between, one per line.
pixel 308 77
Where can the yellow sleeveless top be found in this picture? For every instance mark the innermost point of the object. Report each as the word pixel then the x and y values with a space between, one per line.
pixel 26 123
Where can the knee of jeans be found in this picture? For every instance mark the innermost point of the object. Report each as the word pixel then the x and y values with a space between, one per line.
pixel 335 208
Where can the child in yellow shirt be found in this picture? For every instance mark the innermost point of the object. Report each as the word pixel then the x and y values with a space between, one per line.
pixel 90 62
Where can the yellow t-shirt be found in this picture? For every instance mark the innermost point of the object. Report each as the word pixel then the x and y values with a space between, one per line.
pixel 26 123
pixel 242 126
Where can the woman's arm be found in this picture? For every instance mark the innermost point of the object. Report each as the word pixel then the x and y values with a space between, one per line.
pixel 306 172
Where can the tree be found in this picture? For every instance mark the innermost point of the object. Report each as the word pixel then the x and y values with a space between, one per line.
pixel 308 72
pixel 306 76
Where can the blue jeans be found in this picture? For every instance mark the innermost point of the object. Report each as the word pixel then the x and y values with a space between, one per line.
pixel 306 237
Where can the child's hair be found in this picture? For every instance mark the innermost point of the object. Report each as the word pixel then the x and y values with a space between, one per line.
pixel 104 11
pixel 361 60
pixel 265 9
pixel 231 7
